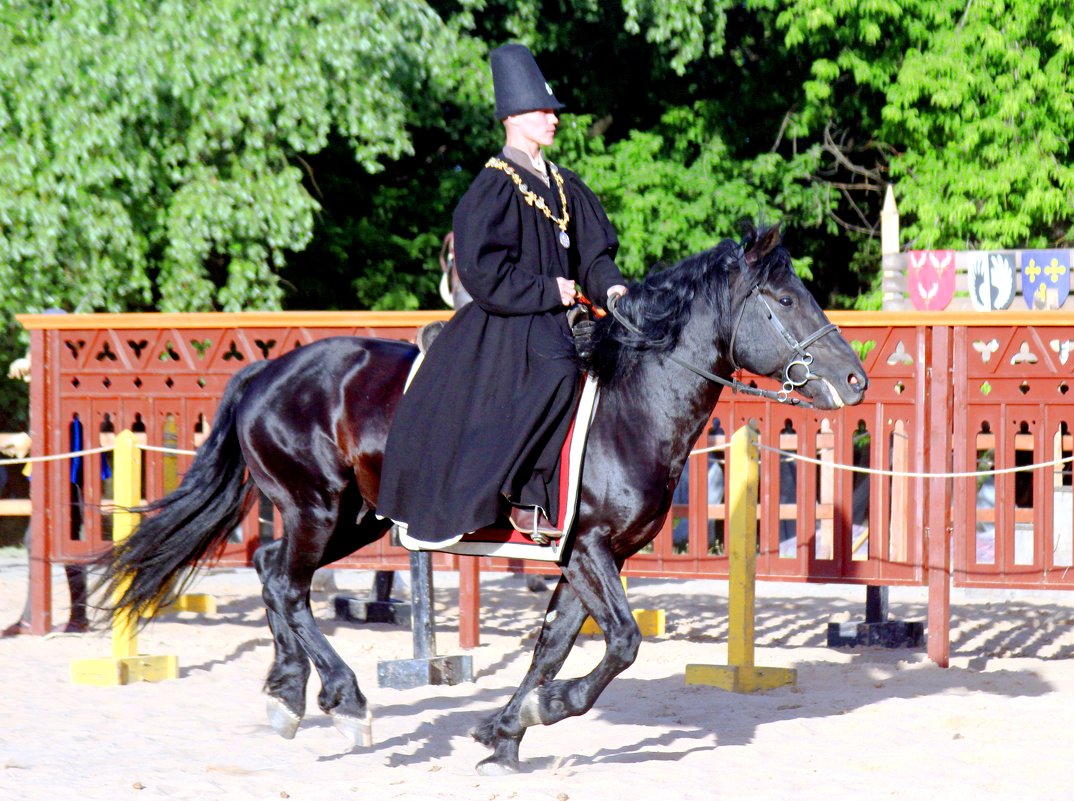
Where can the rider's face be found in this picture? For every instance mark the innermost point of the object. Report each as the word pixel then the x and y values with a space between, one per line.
pixel 537 127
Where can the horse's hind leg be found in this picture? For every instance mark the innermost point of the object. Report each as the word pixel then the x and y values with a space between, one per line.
pixel 297 636
pixel 594 587
pixel 286 682
pixel 340 696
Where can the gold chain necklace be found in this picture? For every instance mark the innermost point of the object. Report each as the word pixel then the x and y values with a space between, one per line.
pixel 533 199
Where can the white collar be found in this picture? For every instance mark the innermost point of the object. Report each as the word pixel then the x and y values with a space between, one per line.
pixel 538 167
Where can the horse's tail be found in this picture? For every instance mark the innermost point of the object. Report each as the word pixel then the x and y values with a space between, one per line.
pixel 184 527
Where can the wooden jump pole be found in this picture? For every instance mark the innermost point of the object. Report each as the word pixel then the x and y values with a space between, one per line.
pixel 126 665
pixel 741 675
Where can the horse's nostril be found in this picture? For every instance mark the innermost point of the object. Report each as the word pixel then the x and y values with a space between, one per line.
pixel 857 381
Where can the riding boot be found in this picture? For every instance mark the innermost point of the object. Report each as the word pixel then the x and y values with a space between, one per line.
pixel 531 520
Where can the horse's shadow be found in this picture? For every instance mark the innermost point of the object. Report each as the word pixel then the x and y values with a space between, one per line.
pixel 243 648
pixel 703 718
pixel 698 718
pixel 734 719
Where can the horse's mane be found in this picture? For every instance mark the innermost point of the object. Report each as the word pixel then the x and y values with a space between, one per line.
pixel 660 305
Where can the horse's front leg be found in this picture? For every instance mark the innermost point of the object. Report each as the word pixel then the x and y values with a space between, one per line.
pixel 594 576
pixel 590 584
pixel 503 731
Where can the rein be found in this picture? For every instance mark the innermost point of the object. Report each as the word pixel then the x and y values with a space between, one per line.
pixel 804 360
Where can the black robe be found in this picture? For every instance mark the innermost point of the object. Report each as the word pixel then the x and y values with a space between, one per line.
pixel 487 413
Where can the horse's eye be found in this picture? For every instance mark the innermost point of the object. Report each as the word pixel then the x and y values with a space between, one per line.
pixel 786 301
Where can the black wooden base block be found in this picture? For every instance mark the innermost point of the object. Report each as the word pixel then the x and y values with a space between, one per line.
pixel 887 634
pixel 363 610
pixel 405 674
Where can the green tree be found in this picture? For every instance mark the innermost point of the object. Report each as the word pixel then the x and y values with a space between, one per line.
pixel 676 189
pixel 152 154
pixel 964 106
pixel 241 154
pixel 984 117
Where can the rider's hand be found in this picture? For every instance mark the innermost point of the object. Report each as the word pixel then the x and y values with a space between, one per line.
pixel 616 291
pixel 566 291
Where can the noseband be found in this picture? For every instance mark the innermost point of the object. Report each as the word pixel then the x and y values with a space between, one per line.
pixel 802 358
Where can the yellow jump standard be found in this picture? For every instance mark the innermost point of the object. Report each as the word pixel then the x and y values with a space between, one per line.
pixel 742 676
pixel 198 602
pixel 651 622
pixel 126 665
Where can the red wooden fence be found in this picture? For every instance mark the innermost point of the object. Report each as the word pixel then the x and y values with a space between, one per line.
pixel 947 391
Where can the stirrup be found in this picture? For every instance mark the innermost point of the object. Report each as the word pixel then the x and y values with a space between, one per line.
pixel 532 522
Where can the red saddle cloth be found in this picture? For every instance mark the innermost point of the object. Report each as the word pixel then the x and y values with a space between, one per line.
pixel 503 539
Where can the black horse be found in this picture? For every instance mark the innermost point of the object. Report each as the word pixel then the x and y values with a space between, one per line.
pixel 308 430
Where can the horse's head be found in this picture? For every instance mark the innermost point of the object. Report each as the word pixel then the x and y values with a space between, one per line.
pixel 452 292
pixel 780 331
pixel 746 296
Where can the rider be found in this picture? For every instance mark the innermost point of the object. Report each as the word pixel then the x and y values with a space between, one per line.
pixel 479 431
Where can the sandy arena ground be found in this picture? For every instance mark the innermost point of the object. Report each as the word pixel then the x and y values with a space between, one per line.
pixel 862 723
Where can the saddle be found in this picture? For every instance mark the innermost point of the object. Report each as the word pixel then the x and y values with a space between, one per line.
pixel 427 333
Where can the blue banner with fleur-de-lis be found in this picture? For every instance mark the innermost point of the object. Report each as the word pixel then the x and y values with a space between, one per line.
pixel 1045 278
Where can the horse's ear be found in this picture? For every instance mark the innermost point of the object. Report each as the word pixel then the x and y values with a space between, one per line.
pixel 761 244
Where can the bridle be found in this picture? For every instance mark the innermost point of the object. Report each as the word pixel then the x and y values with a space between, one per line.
pixel 802 359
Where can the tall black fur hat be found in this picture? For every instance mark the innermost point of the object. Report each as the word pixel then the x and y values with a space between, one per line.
pixel 519 84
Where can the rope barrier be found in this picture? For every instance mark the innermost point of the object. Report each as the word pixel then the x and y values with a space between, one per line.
pixel 903 474
pixel 159 449
pixel 89 451
pixel 791 455
pixel 54 457
pixel 713 449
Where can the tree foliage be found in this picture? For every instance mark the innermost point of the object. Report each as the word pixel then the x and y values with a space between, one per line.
pixel 984 114
pixel 185 154
pixel 152 153
pixel 676 189
pixel 964 106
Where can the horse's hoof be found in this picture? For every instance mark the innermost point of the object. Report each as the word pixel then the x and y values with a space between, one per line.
pixel 490 767
pixel 282 720
pixel 358 730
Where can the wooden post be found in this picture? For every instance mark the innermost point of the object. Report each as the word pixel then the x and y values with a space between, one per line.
pixel 125 666
pixel 40 487
pixel 889 224
pixel 426 667
pixel 126 479
pixel 421 597
pixel 938 512
pixel 469 602
pixel 742 554
pixel 893 276
pixel 741 675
